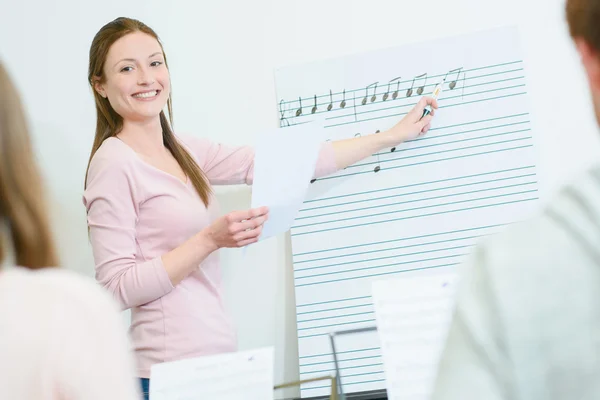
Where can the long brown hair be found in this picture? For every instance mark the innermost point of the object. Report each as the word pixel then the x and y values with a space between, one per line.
pixel 109 123
pixel 582 17
pixel 22 205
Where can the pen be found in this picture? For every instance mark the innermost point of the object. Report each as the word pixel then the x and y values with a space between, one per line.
pixel 435 94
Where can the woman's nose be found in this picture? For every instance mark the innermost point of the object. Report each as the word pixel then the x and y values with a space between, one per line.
pixel 145 77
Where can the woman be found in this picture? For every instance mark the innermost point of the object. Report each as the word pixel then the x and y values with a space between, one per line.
pixel 61 336
pixel 151 213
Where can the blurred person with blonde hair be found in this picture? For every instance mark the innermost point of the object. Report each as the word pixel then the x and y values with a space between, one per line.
pixel 61 335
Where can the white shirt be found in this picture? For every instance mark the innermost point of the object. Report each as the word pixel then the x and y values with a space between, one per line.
pixel 527 321
pixel 61 338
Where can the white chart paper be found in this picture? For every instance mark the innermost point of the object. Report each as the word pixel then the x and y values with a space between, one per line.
pixel 413 316
pixel 417 208
pixel 246 375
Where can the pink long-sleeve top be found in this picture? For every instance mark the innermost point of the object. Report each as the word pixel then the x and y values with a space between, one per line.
pixel 136 213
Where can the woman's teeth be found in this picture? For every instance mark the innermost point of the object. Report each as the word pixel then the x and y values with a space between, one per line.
pixel 147 94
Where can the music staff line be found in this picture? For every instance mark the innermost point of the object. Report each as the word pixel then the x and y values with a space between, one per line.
pixel 336 309
pixel 345 363
pixel 387 157
pixel 414 314
pixel 374 363
pixel 383 266
pixel 378 162
pixel 462 124
pixel 339 353
pixel 363 245
pixel 383 206
pixel 415 216
pixel 417 192
pixel 347 308
pixel 410 103
pixel 357 217
pixel 343 175
pixel 434 136
pixel 352 93
pixel 356 115
pixel 385 189
pixel 445 135
pixel 394 256
pixel 413 102
pixel 340 359
pixel 344 383
pixel 371 315
pixel 445 106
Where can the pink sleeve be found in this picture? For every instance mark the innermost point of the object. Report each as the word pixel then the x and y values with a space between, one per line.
pixel 111 200
pixel 224 165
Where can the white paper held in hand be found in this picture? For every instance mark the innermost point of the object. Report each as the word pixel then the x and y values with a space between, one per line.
pixel 284 163
pixel 245 375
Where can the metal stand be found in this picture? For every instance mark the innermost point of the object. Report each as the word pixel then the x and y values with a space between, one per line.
pixel 332 336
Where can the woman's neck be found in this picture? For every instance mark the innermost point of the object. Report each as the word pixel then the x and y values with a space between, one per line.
pixel 144 137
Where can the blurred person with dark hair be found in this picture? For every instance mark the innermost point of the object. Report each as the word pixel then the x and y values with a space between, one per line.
pixel 527 319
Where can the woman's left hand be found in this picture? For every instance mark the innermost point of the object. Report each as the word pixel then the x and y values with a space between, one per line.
pixel 412 125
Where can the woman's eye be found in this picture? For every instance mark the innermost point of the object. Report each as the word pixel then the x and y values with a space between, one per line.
pixel 126 69
pixel 156 63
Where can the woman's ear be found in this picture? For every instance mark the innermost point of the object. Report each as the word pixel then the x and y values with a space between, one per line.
pixel 591 63
pixel 98 87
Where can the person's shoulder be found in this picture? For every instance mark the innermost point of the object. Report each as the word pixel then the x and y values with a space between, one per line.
pixel 112 153
pixel 564 230
pixel 113 157
pixel 60 289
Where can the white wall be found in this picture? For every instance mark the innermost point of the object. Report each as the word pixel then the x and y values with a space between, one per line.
pixel 222 55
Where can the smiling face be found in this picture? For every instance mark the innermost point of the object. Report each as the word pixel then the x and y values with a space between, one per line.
pixel 136 79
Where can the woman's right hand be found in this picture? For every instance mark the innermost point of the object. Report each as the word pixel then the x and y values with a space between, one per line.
pixel 238 228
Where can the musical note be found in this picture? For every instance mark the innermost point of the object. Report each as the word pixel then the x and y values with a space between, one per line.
pixel 330 106
pixel 422 88
pixel 314 109
pixel 387 93
pixel 452 84
pixel 299 110
pixel 374 97
pixel 343 103
pixel 409 92
pixel 378 167
pixel 283 118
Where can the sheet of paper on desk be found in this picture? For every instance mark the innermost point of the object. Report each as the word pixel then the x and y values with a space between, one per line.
pixel 284 163
pixel 413 316
pixel 246 375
